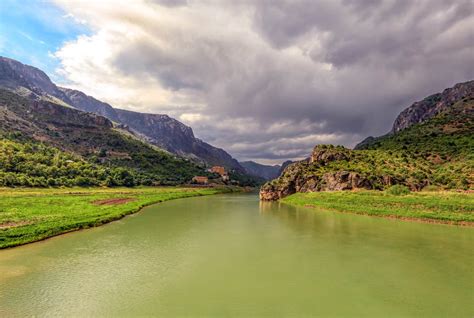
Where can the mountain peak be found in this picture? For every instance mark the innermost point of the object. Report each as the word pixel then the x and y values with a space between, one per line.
pixel 432 105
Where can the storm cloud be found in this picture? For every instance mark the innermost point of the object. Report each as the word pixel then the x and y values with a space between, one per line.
pixel 267 80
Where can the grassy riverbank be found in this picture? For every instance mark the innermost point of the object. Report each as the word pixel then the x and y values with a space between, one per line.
pixel 28 215
pixel 438 207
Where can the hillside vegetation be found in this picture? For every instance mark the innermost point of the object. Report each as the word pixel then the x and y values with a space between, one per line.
pixel 33 164
pixel 449 133
pixel 49 144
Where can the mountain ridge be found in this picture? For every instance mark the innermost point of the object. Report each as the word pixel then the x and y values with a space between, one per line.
pixel 266 172
pixel 159 130
pixel 425 109
pixel 109 155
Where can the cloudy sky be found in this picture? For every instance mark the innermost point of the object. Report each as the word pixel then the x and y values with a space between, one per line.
pixel 264 79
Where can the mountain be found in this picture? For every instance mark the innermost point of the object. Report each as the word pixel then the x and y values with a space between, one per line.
pixel 432 105
pixel 431 144
pixel 425 109
pixel 111 156
pixel 263 171
pixel 160 130
pixel 86 103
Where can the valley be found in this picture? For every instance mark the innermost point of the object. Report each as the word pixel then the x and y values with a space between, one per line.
pixel 176 158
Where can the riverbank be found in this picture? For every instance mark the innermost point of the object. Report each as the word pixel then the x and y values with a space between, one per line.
pixel 433 207
pixel 28 215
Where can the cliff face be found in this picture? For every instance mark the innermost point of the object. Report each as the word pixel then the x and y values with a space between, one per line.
pixel 432 105
pixel 160 130
pixel 88 104
pixel 14 74
pixel 175 137
pixel 302 176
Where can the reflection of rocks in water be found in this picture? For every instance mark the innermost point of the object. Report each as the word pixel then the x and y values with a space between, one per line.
pixel 348 230
pixel 317 222
pixel 284 211
pixel 297 217
pixel 268 207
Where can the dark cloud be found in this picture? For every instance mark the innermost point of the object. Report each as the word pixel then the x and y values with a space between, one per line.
pixel 269 79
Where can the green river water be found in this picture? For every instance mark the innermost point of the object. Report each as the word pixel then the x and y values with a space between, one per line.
pixel 232 256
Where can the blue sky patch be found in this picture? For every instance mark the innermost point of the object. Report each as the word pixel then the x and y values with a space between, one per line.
pixel 31 31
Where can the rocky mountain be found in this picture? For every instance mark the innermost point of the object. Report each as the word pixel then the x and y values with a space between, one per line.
pixel 87 103
pixel 432 105
pixel 26 80
pixel 425 109
pixel 160 130
pixel 88 137
pixel 175 137
pixel 265 172
pixel 424 149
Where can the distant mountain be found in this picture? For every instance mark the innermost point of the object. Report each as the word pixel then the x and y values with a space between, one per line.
pixel 265 172
pixel 431 144
pixel 160 130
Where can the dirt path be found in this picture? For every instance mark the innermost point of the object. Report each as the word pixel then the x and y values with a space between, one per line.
pixel 114 201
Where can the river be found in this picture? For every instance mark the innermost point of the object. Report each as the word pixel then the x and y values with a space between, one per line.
pixel 232 256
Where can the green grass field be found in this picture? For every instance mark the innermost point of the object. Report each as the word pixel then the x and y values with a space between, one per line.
pixel 28 215
pixel 442 207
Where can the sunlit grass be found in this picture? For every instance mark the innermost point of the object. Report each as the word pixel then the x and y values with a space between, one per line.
pixel 28 215
pixel 443 207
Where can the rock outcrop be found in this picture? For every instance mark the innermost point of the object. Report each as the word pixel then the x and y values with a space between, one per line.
pixel 345 180
pixel 322 154
pixel 311 175
pixel 297 177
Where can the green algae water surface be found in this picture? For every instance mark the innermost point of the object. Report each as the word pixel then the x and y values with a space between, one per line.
pixel 232 256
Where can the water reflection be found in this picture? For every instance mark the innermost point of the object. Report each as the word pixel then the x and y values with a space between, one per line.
pixel 439 243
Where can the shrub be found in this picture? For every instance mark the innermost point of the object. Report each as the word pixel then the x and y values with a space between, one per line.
pixel 398 189
pixel 431 188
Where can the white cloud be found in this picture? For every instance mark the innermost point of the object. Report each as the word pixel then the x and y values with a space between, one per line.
pixel 269 79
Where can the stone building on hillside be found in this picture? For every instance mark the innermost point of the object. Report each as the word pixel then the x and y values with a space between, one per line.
pixel 218 169
pixel 221 171
pixel 200 180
